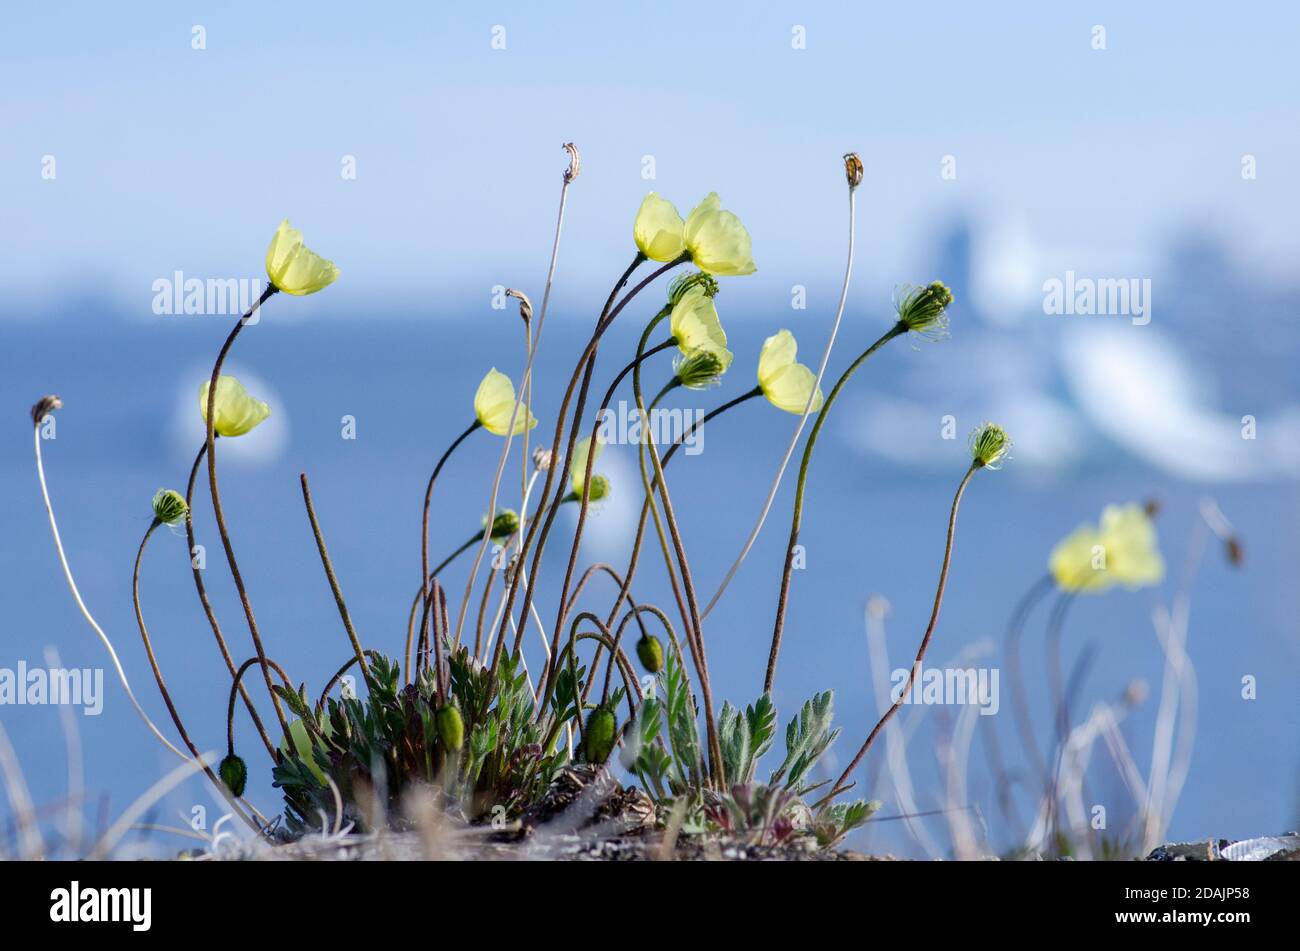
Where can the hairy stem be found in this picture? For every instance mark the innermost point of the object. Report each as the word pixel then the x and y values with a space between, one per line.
pixel 329 574
pixel 81 605
pixel 794 439
pixel 202 590
pixel 220 514
pixel 797 518
pixel 424 543
pixel 162 684
pixel 839 785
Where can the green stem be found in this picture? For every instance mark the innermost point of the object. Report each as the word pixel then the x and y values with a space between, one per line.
pixel 782 600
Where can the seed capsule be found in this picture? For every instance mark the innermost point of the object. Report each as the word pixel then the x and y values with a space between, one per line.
pixel 602 728
pixel 451 728
pixel 651 652
pixel 234 774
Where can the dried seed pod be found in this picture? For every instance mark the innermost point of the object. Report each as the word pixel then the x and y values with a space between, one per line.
pixel 525 305
pixel 853 169
pixel 44 406
pixel 575 162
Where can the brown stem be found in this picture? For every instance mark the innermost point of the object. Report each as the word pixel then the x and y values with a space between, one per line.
pixel 329 574
pixel 839 786
pixel 162 684
pixel 634 559
pixel 482 611
pixel 584 368
pixel 207 605
pixel 220 514
pixel 688 584
pixel 424 542
pixel 236 685
pixel 796 519
pixel 586 477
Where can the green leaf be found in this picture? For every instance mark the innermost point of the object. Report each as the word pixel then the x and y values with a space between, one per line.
pixel 807 737
pixel 683 734
pixel 733 735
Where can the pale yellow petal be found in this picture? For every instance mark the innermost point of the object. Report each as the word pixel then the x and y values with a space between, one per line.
pixel 695 323
pixel 235 411
pixel 718 242
pixel 658 229
pixel 494 403
pixel 294 268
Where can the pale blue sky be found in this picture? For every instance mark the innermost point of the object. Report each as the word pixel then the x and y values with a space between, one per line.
pixel 174 158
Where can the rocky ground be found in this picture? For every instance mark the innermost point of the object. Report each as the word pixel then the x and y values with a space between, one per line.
pixel 588 816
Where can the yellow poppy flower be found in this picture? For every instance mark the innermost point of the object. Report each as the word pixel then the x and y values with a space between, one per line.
pixel 236 411
pixel 1121 550
pixel 695 326
pixel 495 401
pixel 718 242
pixel 294 268
pixel 578 467
pixel 785 383
pixel 658 229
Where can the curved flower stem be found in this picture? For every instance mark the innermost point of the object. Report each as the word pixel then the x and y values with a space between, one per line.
pixel 338 675
pixel 1019 702
pixel 839 785
pixel 482 610
pixel 419 594
pixel 234 688
pixel 207 605
pixel 1060 704
pixel 220 514
pixel 626 584
pixel 525 388
pixel 562 610
pixel 81 605
pixel 586 363
pixel 424 542
pixel 794 440
pixel 333 580
pixel 162 684
pixel 587 575
pixel 701 659
pixel 796 520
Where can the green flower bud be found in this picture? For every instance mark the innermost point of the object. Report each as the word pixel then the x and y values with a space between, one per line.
pixel 504 525
pixel 701 369
pixel 651 652
pixel 602 729
pixel 451 728
pixel 923 309
pixel 599 488
pixel 169 507
pixel 684 282
pixel 234 774
pixel 989 445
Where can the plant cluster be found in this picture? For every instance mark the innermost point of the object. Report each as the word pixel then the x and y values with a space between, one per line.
pixel 460 714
